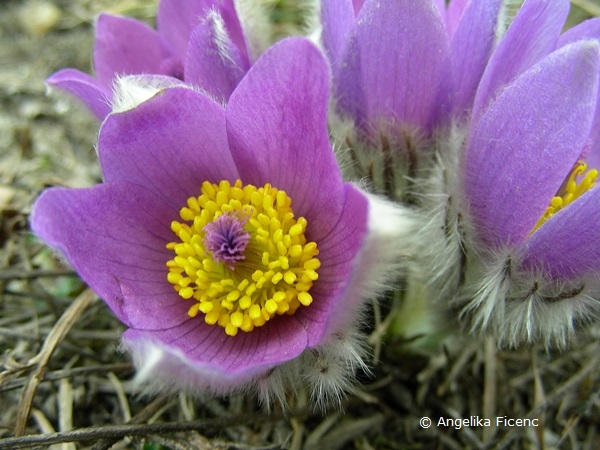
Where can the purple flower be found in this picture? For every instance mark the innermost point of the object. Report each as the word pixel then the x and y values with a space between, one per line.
pixel 226 239
pixel 403 73
pixel 197 41
pixel 402 69
pixel 525 210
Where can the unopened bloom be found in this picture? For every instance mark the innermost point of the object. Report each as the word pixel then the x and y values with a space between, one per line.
pixel 523 213
pixel 226 239
pixel 403 70
pixel 198 41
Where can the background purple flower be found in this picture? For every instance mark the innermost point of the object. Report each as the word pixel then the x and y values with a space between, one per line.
pixel 526 271
pixel 154 157
pixel 400 89
pixel 198 41
pixel 422 62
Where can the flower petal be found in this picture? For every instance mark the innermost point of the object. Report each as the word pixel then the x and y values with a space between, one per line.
pixel 213 62
pixel 401 72
pixel 227 10
pixel 454 13
pixel 590 29
pixel 126 46
pixel 441 6
pixel 334 303
pixel 89 90
pixel 198 356
pixel 526 143
pixel 337 17
pixel 358 4
pixel 176 19
pixel 472 44
pixel 567 245
pixel 277 128
pixel 124 263
pixel 169 144
pixel 531 36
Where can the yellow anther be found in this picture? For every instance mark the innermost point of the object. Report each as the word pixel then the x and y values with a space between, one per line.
pixel 173 277
pixel 237 319
pixel 277 278
pixel 295 251
pixel 283 307
pixel 281 248
pixel 571 190
pixel 212 317
pixel 311 275
pixel 271 274
pixel 186 292
pixel 312 264
pixel 305 298
pixel 271 306
pixel 296 230
pixel 279 296
pixel 254 312
pixel 289 277
pixel 193 311
pixel 205 307
pixel 187 214
pixel 245 302
pixel 230 329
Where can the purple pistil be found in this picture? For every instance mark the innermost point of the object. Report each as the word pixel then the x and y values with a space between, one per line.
pixel 227 239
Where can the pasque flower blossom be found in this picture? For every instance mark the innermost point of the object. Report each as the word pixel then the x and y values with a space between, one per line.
pixel 522 213
pixel 402 71
pixel 226 239
pixel 198 41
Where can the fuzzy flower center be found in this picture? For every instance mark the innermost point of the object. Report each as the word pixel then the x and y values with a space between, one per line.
pixel 226 238
pixel 577 183
pixel 242 256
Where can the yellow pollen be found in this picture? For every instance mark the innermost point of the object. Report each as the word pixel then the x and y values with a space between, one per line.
pixel 271 275
pixel 574 187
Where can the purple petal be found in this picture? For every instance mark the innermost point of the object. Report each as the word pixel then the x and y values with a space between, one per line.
pixel 226 9
pixel 472 45
pixel 527 141
pixel 590 29
pixel 336 298
pixel 169 144
pixel 176 19
pixel 86 88
pixel 210 358
pixel 401 72
pixel 531 36
pixel 277 127
pixel 213 62
pixel 358 4
pixel 126 46
pixel 567 245
pixel 455 12
pixel 337 17
pixel 124 262
pixel 441 7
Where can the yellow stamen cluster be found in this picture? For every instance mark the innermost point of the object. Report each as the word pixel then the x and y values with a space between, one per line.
pixel 279 265
pixel 572 189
